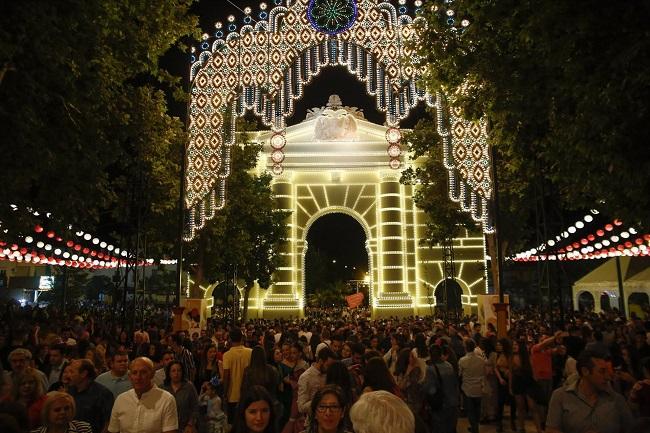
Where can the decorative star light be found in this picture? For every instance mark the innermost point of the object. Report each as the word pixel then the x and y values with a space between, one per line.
pixel 332 16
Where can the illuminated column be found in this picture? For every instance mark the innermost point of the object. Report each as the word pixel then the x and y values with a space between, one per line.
pixel 410 242
pixel 282 297
pixel 391 262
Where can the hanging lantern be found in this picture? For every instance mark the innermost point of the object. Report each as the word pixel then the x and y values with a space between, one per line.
pixel 38 228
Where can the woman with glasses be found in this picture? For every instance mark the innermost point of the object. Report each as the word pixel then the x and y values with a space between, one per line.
pixel 328 410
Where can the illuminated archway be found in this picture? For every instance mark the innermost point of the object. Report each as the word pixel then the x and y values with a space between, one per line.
pixel 264 67
pixel 356 219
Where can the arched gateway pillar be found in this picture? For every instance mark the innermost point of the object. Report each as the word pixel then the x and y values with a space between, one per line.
pixel 393 297
pixel 283 299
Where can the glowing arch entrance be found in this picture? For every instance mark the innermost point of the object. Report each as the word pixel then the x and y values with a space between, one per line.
pixel 263 69
pixel 335 163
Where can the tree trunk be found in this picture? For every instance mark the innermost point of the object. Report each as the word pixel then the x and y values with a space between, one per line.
pixel 494 267
pixel 246 293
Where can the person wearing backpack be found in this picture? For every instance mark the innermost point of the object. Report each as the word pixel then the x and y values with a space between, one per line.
pixel 441 391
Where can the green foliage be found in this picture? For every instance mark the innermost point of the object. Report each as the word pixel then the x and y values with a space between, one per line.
pixel 565 86
pixel 429 178
pixel 247 232
pixel 83 111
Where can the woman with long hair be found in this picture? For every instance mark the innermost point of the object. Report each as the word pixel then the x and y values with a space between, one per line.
pixel 260 373
pixel 295 420
pixel 503 350
pixel 58 415
pixel 376 377
pixel 409 376
pixel 209 366
pixel 98 360
pixel 187 400
pixel 338 374
pixel 28 391
pixel 522 385
pixel 255 412
pixel 328 410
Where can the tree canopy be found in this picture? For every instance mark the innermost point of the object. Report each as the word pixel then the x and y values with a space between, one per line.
pixel 86 132
pixel 445 218
pixel 564 85
pixel 247 232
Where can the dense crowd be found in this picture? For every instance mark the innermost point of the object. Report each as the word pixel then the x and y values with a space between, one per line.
pixel 335 370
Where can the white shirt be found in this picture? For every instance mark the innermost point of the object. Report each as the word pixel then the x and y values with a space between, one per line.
pixel 155 412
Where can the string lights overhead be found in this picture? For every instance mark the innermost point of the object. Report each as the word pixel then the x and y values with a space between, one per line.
pixel 264 65
pixel 580 241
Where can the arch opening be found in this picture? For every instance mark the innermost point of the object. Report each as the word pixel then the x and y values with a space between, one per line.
pixel 336 262
pixel 448 296
pixel 586 301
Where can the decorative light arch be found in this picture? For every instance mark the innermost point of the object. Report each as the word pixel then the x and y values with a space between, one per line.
pixel 263 68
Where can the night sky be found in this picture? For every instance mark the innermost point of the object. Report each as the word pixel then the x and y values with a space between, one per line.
pixel 337 236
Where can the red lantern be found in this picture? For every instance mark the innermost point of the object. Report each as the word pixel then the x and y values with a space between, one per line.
pixel 86 250
pixel 93 253
pixel 23 251
pixel 617 222
pixel 591 237
pixel 38 228
pixel 77 247
pixel 609 227
pixel 600 232
pixel 69 244
pixel 50 234
pixel 584 241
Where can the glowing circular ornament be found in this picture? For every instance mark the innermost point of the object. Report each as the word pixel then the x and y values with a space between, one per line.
pixel 394 164
pixel 248 10
pixel 278 141
pixel 464 23
pixel 393 135
pixel 277 156
pixel 218 25
pixel 332 16
pixel 277 169
pixel 263 6
pixel 418 3
pixel 231 18
pixel 394 150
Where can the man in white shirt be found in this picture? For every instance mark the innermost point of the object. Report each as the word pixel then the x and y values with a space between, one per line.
pixel 313 378
pixel 471 369
pixel 145 408
pixel 117 378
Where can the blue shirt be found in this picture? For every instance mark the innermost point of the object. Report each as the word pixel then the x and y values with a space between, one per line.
pixel 116 385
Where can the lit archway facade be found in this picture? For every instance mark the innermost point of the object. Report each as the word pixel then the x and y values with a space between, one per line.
pixel 335 163
pixel 263 67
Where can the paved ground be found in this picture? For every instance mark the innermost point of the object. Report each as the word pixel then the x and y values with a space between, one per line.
pixel 463 425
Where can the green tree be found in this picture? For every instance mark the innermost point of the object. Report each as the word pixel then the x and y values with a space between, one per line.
pixel 564 85
pixel 429 177
pixel 86 133
pixel 246 234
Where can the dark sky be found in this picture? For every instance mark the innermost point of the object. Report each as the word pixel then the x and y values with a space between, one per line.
pixel 341 238
pixel 348 246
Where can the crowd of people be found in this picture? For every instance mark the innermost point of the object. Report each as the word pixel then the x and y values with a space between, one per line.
pixel 336 370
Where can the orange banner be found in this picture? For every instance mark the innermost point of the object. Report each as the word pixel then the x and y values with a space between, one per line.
pixel 354 300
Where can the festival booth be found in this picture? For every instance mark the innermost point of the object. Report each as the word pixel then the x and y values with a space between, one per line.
pixel 598 290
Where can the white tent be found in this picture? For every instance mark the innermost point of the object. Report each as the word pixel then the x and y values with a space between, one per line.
pixel 600 286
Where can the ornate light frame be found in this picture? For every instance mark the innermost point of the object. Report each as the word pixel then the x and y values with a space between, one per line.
pixel 264 67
